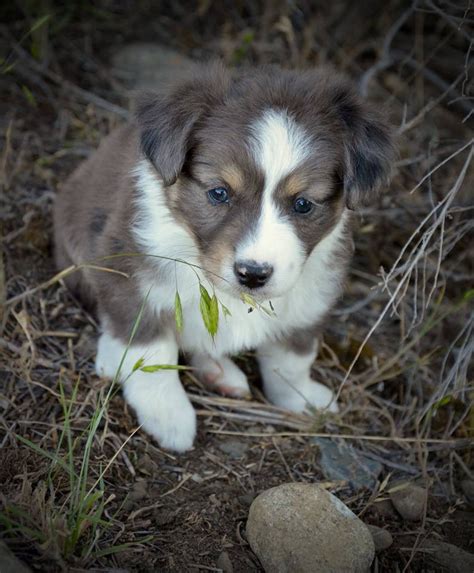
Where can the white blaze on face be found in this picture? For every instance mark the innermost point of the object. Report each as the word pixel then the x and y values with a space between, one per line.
pixel 279 145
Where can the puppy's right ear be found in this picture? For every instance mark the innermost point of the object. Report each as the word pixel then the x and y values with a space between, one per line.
pixel 167 120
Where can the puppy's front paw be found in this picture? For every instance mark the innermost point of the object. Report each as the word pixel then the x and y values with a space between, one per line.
pixel 307 395
pixel 166 414
pixel 221 375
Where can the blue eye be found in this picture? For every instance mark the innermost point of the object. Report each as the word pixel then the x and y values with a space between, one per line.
pixel 302 205
pixel 218 195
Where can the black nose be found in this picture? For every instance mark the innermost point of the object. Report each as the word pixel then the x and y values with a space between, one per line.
pixel 252 274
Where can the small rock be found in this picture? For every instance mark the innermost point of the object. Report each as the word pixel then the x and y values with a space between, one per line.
pixel 382 538
pixel 147 65
pixel 340 461
pixel 301 528
pixel 247 499
pixel 146 465
pixel 138 492
pixel 9 563
pixel 410 501
pixel 224 563
pixel 384 509
pixel 467 487
pixel 451 558
pixel 234 448
pixel 163 517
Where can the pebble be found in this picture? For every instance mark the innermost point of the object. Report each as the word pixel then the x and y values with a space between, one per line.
pixel 340 461
pixel 410 501
pixel 224 563
pixel 138 492
pixel 384 509
pixel 146 465
pixel 235 449
pixel 302 528
pixel 382 538
pixel 246 499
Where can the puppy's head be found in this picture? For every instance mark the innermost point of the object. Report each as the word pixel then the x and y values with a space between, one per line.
pixel 260 165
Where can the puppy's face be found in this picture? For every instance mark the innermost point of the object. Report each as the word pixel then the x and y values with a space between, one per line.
pixel 260 168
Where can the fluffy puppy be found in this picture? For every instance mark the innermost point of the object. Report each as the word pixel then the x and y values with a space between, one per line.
pixel 243 182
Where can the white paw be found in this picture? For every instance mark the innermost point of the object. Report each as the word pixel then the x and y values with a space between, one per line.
pixel 109 352
pixel 221 375
pixel 163 409
pixel 308 395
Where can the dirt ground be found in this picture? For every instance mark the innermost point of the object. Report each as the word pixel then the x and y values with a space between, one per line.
pixel 406 390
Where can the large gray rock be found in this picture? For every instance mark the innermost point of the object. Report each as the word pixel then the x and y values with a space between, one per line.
pixel 147 66
pixel 301 528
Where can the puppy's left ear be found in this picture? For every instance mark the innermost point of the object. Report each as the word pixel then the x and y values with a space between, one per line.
pixel 167 120
pixel 369 149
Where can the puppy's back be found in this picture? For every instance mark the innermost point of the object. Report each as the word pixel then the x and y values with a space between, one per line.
pixel 92 198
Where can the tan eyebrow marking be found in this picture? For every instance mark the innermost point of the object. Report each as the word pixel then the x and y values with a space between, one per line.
pixel 233 176
pixel 298 183
pixel 294 185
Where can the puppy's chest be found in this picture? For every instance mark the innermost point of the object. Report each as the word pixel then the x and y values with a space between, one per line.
pixel 245 327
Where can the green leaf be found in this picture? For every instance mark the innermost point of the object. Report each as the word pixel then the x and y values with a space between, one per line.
pixel 248 37
pixel 138 364
pixel 444 401
pixel 53 457
pixel 225 310
pixel 247 299
pixel 214 315
pixel 468 295
pixel 204 294
pixel 29 95
pixel 205 313
pixel 158 367
pixel 178 312
pixel 39 23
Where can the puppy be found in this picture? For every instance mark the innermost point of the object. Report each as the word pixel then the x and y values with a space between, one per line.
pixel 242 182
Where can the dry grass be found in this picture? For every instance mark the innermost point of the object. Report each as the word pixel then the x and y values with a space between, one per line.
pixel 81 488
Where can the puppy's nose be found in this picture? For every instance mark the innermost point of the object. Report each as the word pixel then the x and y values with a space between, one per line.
pixel 252 274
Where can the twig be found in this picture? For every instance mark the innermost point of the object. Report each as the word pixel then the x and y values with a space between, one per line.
pixel 407 125
pixel 445 203
pixel 458 443
pixel 385 60
pixel 59 276
pixel 180 484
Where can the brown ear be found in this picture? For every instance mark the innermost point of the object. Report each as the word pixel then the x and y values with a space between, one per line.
pixel 369 152
pixel 167 120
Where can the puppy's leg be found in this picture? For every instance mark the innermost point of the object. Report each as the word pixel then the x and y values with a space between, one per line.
pixel 286 373
pixel 222 375
pixel 158 398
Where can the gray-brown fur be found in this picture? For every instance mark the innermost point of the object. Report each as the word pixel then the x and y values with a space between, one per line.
pixel 103 184
pixel 195 135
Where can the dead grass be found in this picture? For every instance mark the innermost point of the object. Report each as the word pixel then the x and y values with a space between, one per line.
pixel 399 349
